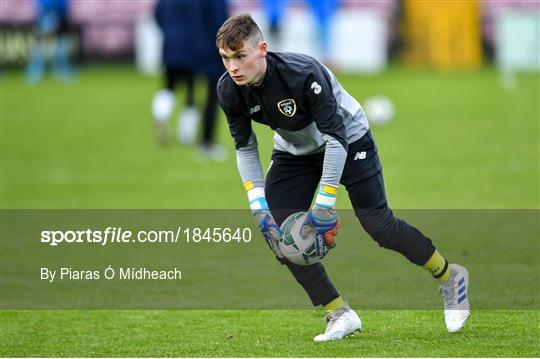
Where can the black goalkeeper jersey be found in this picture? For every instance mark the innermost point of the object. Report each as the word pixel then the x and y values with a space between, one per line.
pixel 300 99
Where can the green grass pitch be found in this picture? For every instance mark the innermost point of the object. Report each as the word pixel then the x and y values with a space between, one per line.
pixel 262 333
pixel 459 141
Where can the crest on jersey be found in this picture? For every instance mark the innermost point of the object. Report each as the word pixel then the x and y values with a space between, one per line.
pixel 287 107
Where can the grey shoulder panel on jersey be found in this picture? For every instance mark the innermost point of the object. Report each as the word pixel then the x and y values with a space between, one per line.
pixel 354 118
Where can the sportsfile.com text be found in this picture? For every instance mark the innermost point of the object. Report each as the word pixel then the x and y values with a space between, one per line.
pixel 120 235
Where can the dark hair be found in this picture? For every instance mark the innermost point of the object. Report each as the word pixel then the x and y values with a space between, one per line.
pixel 236 30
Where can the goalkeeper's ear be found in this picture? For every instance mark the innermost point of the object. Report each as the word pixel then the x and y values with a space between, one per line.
pixel 263 48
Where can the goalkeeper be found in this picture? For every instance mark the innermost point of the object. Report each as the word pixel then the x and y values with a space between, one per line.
pixel 321 139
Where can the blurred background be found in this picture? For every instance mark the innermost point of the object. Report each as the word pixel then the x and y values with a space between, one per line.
pixel 90 118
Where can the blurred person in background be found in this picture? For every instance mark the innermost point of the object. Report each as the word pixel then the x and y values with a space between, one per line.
pixel 274 10
pixel 51 31
pixel 189 28
pixel 323 11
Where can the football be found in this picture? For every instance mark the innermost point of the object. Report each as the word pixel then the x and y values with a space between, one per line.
pixel 297 249
pixel 379 110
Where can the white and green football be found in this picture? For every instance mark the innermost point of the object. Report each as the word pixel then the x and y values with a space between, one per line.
pixel 297 249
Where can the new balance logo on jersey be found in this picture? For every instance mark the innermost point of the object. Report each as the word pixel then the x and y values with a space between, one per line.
pixel 360 155
pixel 254 109
pixel 316 87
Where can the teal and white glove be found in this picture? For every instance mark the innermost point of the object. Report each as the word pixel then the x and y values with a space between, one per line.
pixel 269 229
pixel 265 221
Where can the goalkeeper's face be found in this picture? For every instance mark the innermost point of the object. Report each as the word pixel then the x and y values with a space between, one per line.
pixel 246 65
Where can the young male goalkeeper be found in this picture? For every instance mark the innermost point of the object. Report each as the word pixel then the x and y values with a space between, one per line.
pixel 321 139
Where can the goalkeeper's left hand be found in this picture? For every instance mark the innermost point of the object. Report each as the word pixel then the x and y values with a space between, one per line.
pixel 325 222
pixel 323 219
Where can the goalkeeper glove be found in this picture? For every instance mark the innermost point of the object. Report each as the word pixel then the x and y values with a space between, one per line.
pixel 323 219
pixel 269 229
pixel 265 221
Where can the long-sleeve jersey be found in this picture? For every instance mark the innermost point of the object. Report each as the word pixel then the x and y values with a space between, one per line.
pixel 302 101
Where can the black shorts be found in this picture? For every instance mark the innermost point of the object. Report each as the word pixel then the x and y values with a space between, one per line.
pixel 292 181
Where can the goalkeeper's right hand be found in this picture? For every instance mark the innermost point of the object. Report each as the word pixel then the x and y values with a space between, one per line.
pixel 267 225
pixel 269 229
